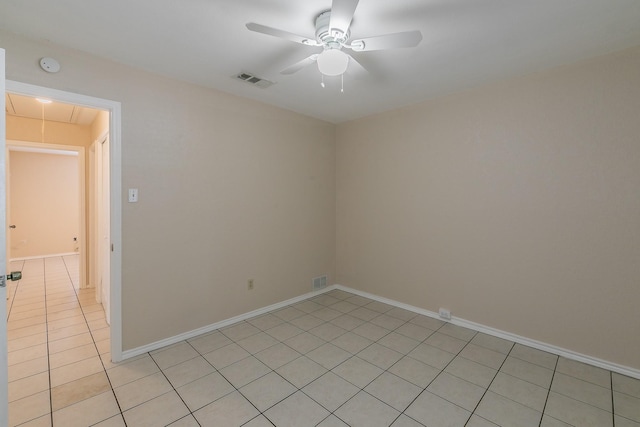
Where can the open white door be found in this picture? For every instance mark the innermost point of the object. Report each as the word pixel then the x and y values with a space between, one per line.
pixel 4 383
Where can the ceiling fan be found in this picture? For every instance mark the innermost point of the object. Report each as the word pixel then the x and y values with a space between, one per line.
pixel 333 35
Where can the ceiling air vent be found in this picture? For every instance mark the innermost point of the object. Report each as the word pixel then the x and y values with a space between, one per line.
pixel 256 81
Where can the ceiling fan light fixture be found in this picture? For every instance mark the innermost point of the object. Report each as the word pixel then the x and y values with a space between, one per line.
pixel 333 35
pixel 333 62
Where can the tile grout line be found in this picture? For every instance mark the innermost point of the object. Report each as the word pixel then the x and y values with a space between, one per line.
pixel 440 373
pixel 179 395
pixel 272 370
pixel 32 375
pixel 160 370
pixel 441 370
pixel 324 322
pixel 95 346
pixel 589 383
pixel 173 387
pixel 233 385
pixel 613 402
pixel 489 385
pixel 362 389
pixel 387 370
pixel 46 322
pixel 216 370
pixel 250 355
pixel 544 408
pixel 301 355
pixel 350 357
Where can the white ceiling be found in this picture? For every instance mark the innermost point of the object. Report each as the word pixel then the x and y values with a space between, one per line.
pixel 466 43
pixel 24 106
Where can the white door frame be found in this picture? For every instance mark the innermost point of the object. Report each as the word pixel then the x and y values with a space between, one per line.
pixel 115 122
pixel 103 224
pixel 91 221
pixel 38 147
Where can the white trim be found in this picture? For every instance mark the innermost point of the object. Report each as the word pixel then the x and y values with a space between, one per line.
pixel 43 147
pixel 614 367
pixel 115 129
pixel 549 348
pixel 218 325
pixel 27 258
pixel 27 149
pixel 101 138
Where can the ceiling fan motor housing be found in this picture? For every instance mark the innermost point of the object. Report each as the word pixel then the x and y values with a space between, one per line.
pixel 329 39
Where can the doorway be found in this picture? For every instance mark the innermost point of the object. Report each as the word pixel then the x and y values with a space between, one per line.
pixel 45 201
pixel 108 234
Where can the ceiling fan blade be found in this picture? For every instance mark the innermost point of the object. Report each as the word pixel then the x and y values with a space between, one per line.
pixel 300 64
pixel 388 41
pixel 342 14
pixel 355 68
pixel 258 28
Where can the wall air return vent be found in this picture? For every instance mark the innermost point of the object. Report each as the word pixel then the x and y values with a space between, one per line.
pixel 253 80
pixel 318 283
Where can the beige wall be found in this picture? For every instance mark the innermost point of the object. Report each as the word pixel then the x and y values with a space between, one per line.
pixel 44 204
pixel 230 189
pixel 515 205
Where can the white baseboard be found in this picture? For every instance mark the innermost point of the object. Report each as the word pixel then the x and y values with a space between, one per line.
pixel 27 258
pixel 569 354
pixel 549 348
pixel 218 325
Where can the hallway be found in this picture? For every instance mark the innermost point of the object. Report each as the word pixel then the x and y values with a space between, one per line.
pixel 58 342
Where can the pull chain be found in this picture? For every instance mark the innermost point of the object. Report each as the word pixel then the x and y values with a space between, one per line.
pixel 322 85
pixel 42 128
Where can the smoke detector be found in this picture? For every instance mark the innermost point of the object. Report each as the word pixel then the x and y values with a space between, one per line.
pixel 49 65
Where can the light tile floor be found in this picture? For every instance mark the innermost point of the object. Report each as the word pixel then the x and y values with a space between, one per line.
pixel 334 360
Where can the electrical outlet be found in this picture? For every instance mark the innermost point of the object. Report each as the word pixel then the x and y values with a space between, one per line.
pixel 444 313
pixel 250 284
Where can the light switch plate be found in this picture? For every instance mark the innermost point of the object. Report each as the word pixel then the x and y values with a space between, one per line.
pixel 133 195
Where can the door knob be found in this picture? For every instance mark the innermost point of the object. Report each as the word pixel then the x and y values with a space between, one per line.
pixel 14 275
pixel 12 226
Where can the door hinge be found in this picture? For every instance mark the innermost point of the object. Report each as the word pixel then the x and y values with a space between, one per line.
pixel 112 247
